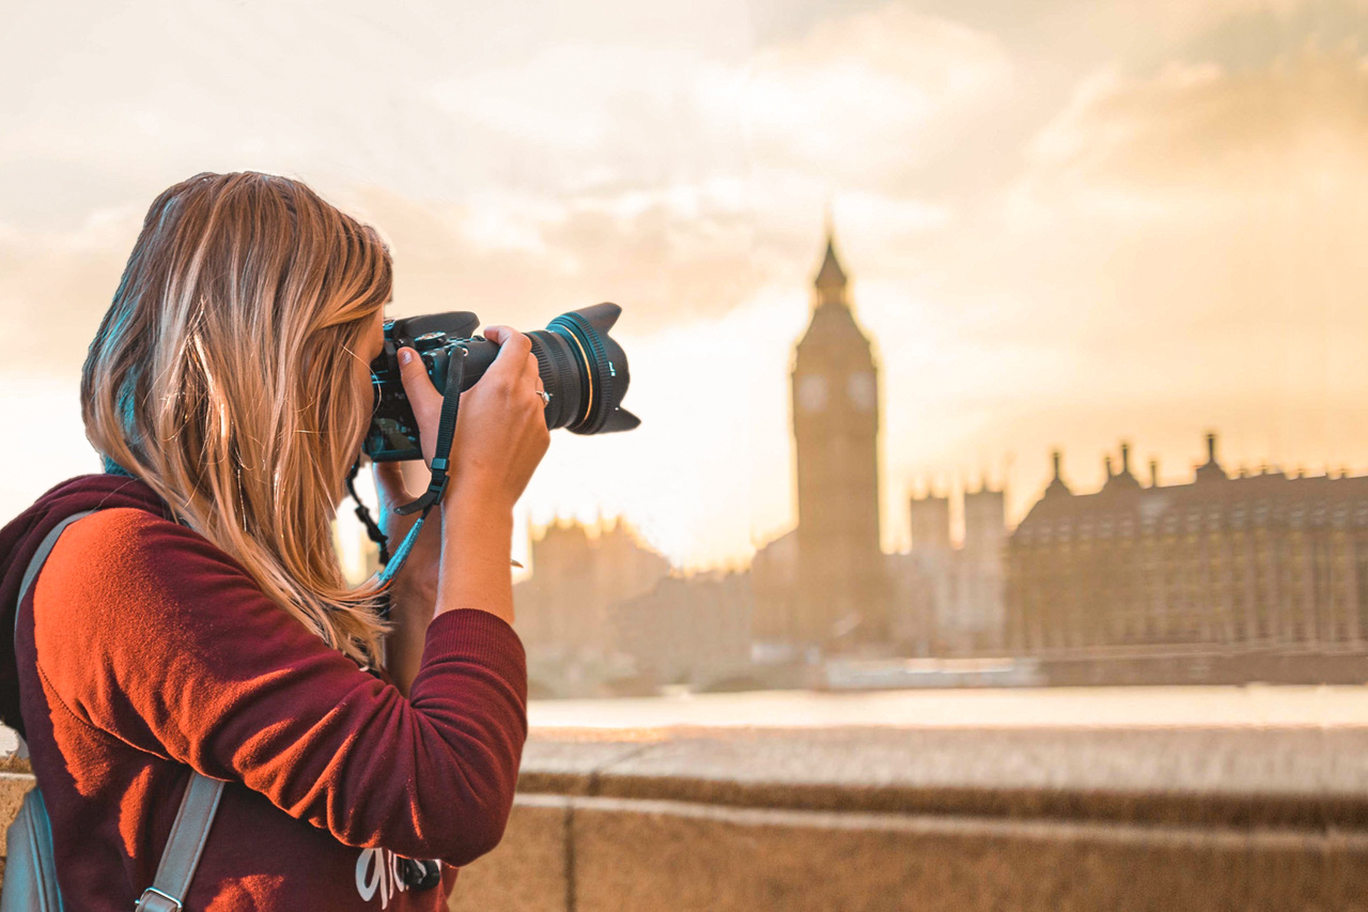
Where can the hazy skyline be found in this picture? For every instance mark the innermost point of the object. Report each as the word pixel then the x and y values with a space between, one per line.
pixel 1065 226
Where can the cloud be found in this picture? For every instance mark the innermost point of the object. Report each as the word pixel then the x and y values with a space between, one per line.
pixel 523 260
pixel 684 181
pixel 1177 20
pixel 56 285
pixel 861 100
pixel 676 174
pixel 1210 209
pixel 854 98
pixel 1201 130
pixel 1044 256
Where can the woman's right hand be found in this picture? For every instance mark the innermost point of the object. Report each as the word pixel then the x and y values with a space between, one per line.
pixel 501 433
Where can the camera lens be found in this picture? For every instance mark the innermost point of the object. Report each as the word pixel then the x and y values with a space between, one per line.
pixel 584 370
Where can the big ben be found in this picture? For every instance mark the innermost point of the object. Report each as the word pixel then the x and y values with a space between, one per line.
pixel 842 589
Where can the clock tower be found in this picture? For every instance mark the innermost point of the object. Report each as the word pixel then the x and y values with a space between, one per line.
pixel 842 590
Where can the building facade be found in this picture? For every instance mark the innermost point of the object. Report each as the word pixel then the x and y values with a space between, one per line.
pixel 774 581
pixel 842 588
pixel 578 573
pixel 694 631
pixel 980 617
pixel 1255 562
pixel 601 609
pixel 950 600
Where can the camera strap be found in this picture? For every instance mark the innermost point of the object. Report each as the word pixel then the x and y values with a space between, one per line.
pixel 372 530
pixel 446 433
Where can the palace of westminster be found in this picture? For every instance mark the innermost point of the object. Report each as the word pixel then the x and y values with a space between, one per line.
pixel 1224 563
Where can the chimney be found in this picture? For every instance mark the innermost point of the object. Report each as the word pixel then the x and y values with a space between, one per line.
pixel 1106 461
pixel 1125 458
pixel 1056 485
pixel 1211 469
pixel 1154 473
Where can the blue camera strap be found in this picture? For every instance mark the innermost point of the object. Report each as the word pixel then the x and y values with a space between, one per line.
pixel 446 433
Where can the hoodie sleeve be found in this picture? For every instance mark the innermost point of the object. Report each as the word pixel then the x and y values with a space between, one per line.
pixel 150 633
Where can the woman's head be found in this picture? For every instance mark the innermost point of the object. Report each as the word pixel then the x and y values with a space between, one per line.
pixel 230 373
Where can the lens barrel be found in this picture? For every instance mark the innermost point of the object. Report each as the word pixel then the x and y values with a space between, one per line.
pixel 581 366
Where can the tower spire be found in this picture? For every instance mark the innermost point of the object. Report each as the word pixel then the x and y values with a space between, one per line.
pixel 831 278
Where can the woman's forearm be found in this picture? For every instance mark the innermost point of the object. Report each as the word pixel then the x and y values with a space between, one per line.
pixel 477 542
pixel 411 610
pixel 473 572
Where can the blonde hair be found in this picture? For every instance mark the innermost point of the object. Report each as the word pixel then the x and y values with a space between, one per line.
pixel 226 376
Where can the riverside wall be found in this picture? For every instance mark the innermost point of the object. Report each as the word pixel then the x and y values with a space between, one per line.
pixel 965 819
pixel 929 820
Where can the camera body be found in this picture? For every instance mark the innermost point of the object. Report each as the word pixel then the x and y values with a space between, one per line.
pixel 582 369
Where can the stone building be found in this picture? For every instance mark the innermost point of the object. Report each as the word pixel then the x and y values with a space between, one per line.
pixel 693 630
pixel 774 582
pixel 562 609
pixel 949 600
pixel 1253 562
pixel 842 589
pixel 979 619
pixel 822 587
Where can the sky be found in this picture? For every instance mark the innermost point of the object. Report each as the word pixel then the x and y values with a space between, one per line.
pixel 1067 224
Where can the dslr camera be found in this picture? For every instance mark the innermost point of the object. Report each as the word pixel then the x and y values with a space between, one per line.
pixel 582 369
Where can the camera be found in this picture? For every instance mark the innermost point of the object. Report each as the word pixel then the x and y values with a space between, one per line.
pixel 582 369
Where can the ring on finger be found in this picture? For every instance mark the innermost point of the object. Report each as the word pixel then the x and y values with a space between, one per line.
pixel 545 397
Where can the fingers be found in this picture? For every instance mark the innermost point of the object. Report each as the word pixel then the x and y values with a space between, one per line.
pixel 501 434
pixel 499 334
pixel 514 349
pixel 423 396
pixel 524 374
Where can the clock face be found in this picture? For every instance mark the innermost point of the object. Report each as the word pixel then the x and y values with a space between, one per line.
pixel 812 393
pixel 860 387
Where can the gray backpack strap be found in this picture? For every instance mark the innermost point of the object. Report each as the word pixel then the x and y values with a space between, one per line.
pixel 183 846
pixel 31 870
pixel 30 873
pixel 188 834
pixel 40 557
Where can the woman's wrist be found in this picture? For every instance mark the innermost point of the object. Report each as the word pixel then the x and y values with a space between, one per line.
pixel 475 504
pixel 477 544
pixel 412 596
pixel 465 513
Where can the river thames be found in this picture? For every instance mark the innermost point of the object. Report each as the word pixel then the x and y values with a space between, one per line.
pixel 1253 706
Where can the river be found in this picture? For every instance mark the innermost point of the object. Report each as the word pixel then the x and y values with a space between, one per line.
pixel 1254 706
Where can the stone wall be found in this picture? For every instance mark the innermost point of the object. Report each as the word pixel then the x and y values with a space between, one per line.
pixel 934 820
pixel 928 819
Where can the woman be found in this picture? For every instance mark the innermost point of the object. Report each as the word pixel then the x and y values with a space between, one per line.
pixel 199 619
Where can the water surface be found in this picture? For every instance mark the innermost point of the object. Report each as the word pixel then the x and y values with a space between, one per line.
pixel 1253 706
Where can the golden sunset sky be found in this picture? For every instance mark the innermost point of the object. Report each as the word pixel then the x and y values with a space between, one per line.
pixel 1067 223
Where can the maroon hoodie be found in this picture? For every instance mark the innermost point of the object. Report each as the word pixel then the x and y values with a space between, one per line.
pixel 143 650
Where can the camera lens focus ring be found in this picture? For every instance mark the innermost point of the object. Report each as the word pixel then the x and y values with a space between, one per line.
pixel 559 377
pixel 600 380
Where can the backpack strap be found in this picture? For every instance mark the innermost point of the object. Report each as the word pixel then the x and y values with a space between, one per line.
pixel 183 846
pixel 40 557
pixel 198 806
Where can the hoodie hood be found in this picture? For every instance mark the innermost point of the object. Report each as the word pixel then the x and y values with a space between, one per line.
pixel 20 539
